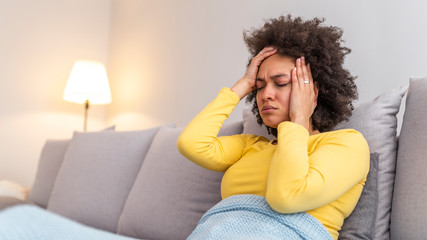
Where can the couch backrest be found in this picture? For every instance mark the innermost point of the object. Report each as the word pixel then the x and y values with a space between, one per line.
pixel 410 188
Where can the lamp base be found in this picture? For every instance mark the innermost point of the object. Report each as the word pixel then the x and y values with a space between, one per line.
pixel 85 117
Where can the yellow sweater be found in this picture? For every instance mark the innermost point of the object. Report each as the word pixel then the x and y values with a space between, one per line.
pixel 322 174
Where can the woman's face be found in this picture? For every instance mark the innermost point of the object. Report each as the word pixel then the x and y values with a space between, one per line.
pixel 274 89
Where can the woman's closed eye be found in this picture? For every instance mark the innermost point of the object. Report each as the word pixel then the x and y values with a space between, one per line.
pixel 281 80
pixel 260 84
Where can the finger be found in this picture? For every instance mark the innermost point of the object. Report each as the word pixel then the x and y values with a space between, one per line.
pixel 300 73
pixel 257 60
pixel 310 77
pixel 307 80
pixel 266 52
pixel 294 79
pixel 267 49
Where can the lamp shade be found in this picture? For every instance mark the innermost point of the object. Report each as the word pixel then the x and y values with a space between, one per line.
pixel 88 81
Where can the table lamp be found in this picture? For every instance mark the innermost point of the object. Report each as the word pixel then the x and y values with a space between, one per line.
pixel 88 84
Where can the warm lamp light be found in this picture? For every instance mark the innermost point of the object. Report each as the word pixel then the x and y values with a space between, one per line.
pixel 88 83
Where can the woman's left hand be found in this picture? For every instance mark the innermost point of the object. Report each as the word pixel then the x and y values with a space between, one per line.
pixel 303 95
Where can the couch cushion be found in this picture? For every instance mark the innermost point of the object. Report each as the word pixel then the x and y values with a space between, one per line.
pixel 47 171
pixel 171 193
pixel 408 217
pixel 97 173
pixel 361 223
pixel 377 121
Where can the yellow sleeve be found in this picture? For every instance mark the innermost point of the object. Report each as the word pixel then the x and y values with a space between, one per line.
pixel 300 182
pixel 199 142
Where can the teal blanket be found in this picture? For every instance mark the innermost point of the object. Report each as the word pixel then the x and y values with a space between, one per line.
pixel 24 222
pixel 250 217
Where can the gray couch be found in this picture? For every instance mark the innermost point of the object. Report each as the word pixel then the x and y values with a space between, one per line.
pixel 135 183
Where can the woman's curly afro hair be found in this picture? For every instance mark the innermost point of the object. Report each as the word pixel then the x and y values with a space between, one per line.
pixel 322 47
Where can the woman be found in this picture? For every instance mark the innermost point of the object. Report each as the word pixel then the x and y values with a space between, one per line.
pixel 299 91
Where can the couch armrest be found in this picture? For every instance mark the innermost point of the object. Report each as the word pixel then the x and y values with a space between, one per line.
pixel 6 201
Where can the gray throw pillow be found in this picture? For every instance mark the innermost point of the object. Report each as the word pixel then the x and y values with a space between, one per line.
pixel 50 162
pixel 171 193
pixel 408 216
pixel 377 121
pixel 97 173
pixel 361 222
pixel 47 171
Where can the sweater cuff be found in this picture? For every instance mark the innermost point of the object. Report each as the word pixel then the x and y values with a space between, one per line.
pixel 288 126
pixel 233 96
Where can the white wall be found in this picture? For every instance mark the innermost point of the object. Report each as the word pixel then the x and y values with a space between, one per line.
pixel 169 58
pixel 39 42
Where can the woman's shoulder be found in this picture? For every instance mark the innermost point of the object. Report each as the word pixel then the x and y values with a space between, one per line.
pixel 343 132
pixel 253 139
pixel 346 136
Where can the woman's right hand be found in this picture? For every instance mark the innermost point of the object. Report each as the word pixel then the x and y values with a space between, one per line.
pixel 247 84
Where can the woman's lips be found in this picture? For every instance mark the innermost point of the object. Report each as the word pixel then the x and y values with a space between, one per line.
pixel 268 109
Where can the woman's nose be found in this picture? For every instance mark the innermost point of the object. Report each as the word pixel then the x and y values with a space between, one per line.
pixel 267 93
